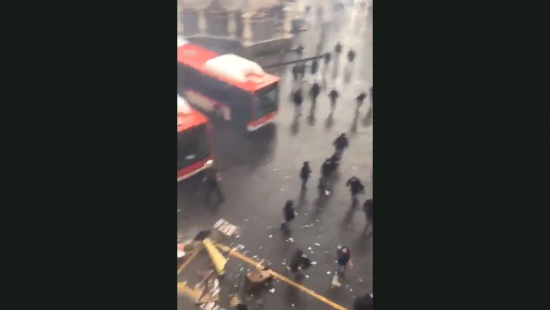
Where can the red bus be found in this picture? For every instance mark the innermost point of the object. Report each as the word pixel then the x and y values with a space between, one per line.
pixel 228 86
pixel 194 131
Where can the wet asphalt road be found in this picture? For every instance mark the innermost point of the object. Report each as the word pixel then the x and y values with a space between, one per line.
pixel 260 172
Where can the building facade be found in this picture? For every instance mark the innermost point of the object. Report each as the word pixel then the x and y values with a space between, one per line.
pixel 247 23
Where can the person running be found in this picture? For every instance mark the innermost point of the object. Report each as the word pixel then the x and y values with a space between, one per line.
pixel 356 188
pixel 288 214
pixel 360 99
pixel 351 56
pixel 302 70
pixel 297 98
pixel 340 144
pixel 333 95
pixel 314 92
pixel 295 72
pixel 314 66
pixel 304 173
pixel 338 48
pixel 298 263
pixel 343 259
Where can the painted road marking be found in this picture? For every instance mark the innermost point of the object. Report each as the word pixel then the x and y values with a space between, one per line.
pixel 278 276
pixel 189 259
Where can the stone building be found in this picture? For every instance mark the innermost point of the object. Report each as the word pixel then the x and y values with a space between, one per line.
pixel 255 26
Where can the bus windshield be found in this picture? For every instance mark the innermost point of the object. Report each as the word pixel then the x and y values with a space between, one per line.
pixel 268 100
pixel 192 146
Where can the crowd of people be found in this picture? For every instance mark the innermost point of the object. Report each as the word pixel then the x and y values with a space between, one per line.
pixel 356 187
pixel 299 71
pixel 299 262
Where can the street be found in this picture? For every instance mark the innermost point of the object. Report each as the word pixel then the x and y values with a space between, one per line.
pixel 261 171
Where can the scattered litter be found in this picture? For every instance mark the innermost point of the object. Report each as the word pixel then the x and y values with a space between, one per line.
pixel 317 244
pixel 309 248
pixel 307 276
pixel 328 272
pixel 270 236
pixel 314 263
pixel 290 240
pixel 246 220
pixel 237 236
pixel 272 290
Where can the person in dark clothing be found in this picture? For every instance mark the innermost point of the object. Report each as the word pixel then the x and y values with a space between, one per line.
pixel 300 51
pixel 338 48
pixel 326 171
pixel 314 92
pixel 360 99
pixel 295 72
pixel 343 258
pixel 351 55
pixel 334 162
pixel 304 173
pixel 297 98
pixel 295 261
pixel 333 97
pixel 212 178
pixel 288 213
pixel 326 168
pixel 369 211
pixel 302 69
pixel 356 188
pixel 327 57
pixel 340 144
pixel 314 66
pixel 363 303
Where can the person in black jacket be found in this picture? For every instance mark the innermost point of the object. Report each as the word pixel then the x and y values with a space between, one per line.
pixel 338 48
pixel 304 173
pixel 333 95
pixel 295 72
pixel 314 92
pixel 314 66
pixel 351 56
pixel 297 98
pixel 288 213
pixel 298 263
pixel 356 188
pixel 360 99
pixel 302 69
pixel 340 144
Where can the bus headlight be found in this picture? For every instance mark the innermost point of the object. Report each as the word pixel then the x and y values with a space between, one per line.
pixel 209 163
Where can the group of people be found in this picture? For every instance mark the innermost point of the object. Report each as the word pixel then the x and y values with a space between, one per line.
pixel 299 262
pixel 299 72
